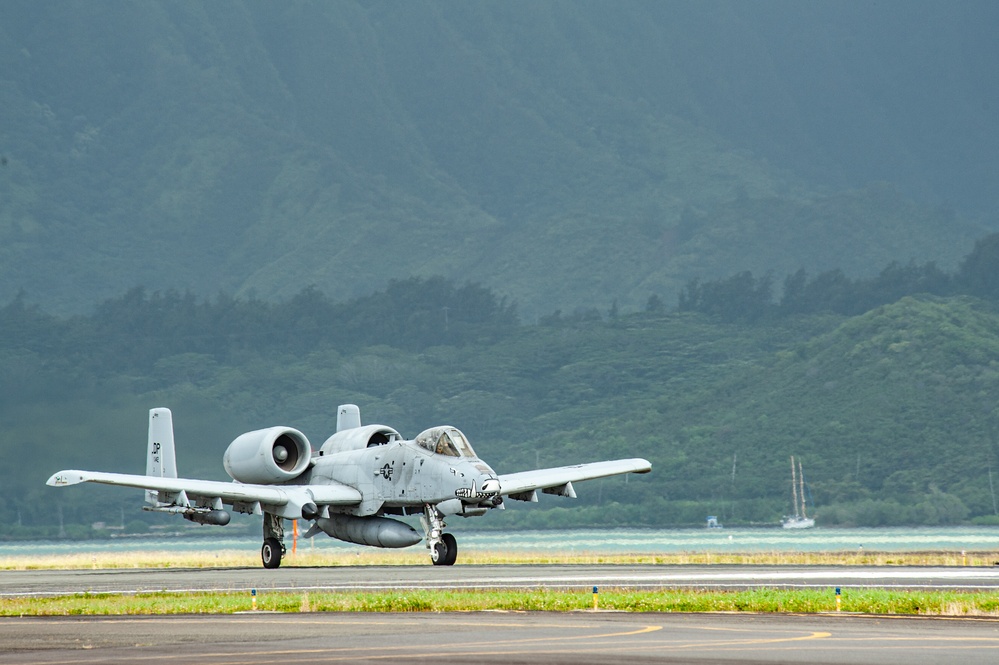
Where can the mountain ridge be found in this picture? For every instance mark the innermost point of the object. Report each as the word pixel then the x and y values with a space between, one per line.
pixel 556 152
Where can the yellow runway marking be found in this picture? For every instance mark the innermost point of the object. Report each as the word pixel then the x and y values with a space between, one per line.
pixel 223 658
pixel 574 637
pixel 442 651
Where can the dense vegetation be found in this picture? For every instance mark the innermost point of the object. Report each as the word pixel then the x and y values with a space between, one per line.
pixel 743 297
pixel 892 411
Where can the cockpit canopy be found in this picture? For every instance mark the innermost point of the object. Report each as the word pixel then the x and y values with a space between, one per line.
pixel 445 440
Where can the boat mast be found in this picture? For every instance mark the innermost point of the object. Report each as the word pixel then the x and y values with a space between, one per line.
pixel 794 487
pixel 801 479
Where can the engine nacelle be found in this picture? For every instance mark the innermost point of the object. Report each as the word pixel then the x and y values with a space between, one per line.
pixel 359 438
pixel 271 455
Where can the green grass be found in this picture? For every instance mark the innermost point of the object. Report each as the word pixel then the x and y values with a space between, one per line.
pixel 866 601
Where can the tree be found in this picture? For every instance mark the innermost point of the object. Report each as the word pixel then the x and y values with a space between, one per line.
pixel 738 298
pixel 979 272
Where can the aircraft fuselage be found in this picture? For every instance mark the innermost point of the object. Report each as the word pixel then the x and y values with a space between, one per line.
pixel 401 474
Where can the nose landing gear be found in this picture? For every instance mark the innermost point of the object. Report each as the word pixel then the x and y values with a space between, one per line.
pixel 445 553
pixel 443 546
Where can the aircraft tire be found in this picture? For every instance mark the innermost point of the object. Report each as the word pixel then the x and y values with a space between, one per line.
pixel 439 554
pixel 451 554
pixel 270 553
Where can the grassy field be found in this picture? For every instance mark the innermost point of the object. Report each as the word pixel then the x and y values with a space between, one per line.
pixel 866 601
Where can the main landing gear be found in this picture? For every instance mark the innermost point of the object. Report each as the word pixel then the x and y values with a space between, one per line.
pixel 273 548
pixel 443 546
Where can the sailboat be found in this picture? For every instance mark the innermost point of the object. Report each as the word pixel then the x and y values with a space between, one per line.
pixel 800 519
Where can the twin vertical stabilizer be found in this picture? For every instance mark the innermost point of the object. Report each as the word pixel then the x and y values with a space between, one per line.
pixel 161 459
pixel 348 416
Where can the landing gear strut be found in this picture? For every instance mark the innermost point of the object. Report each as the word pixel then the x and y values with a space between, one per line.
pixel 443 546
pixel 273 548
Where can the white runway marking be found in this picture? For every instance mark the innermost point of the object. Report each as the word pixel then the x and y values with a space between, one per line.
pixel 32 583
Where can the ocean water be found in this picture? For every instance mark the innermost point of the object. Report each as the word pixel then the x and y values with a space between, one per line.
pixel 746 540
pixel 609 541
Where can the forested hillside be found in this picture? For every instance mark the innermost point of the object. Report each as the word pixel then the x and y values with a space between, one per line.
pixel 563 154
pixel 714 234
pixel 892 410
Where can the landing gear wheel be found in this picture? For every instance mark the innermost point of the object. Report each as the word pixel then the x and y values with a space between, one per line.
pixel 271 553
pixel 438 554
pixel 451 547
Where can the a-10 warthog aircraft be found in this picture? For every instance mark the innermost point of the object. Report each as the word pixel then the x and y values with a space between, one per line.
pixel 346 489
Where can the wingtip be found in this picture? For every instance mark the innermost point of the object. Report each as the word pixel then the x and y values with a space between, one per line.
pixel 66 478
pixel 638 465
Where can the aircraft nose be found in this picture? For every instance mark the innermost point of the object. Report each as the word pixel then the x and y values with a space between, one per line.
pixel 490 486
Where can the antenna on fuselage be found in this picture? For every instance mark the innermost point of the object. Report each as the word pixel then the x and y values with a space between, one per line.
pixel 348 416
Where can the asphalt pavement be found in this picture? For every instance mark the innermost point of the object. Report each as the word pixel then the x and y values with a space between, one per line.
pixel 576 638
pixel 360 578
pixel 495 637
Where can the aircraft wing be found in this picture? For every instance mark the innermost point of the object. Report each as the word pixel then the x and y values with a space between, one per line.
pixel 557 480
pixel 286 497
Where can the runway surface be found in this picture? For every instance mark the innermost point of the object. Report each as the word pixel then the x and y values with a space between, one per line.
pixel 578 638
pixel 495 637
pixel 347 578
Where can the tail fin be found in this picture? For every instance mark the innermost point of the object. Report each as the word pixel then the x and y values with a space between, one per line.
pixel 161 460
pixel 348 416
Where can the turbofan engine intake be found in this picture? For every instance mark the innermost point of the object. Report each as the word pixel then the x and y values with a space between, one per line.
pixel 271 455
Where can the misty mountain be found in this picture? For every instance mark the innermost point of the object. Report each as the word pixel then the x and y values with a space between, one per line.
pixel 565 154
